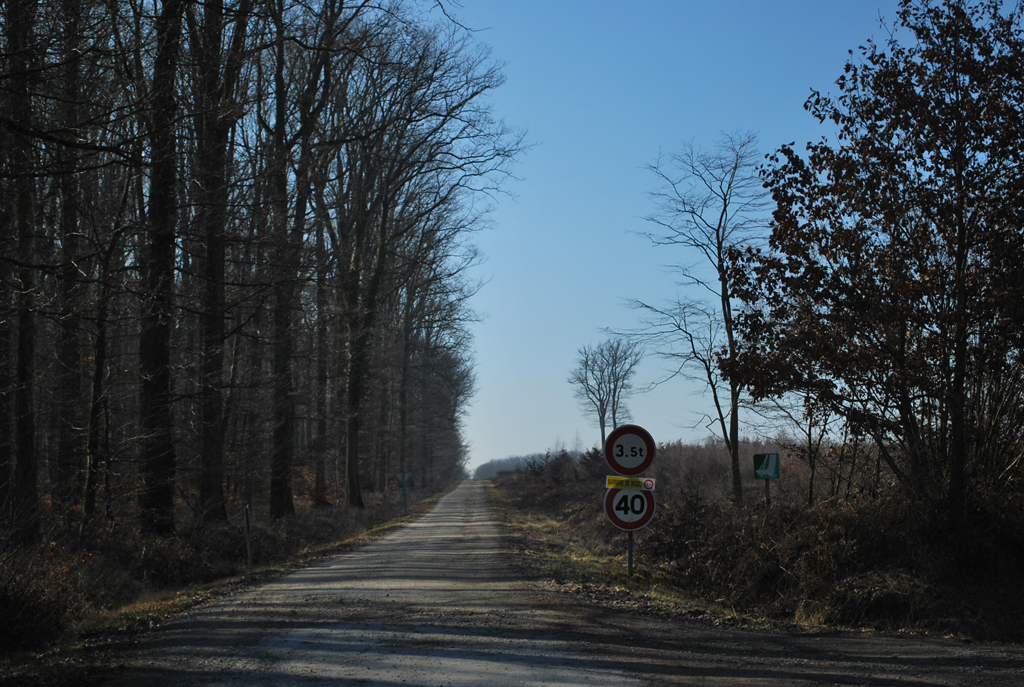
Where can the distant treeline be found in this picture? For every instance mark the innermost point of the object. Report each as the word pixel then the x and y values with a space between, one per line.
pixel 492 468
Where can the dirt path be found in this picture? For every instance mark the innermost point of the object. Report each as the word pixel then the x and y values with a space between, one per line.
pixel 437 603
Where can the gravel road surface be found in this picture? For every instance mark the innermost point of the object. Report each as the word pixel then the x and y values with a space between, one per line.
pixel 438 603
pixel 434 603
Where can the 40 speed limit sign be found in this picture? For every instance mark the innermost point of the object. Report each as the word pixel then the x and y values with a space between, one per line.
pixel 629 509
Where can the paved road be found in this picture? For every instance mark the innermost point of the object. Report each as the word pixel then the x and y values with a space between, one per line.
pixel 433 603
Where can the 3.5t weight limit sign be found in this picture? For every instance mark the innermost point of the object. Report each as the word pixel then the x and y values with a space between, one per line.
pixel 629 450
pixel 629 509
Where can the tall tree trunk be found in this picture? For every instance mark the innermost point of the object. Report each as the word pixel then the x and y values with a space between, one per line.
pixel 360 300
pixel 734 442
pixel 281 502
pixel 212 134
pixel 20 27
pixel 958 398
pixel 356 372
pixel 157 455
pixel 94 459
pixel 70 416
pixel 403 379
pixel 98 451
pixel 216 113
pixel 281 497
pixel 8 245
pixel 961 317
pixel 320 470
pixel 734 389
pixel 6 429
pixel 283 438
pixel 290 237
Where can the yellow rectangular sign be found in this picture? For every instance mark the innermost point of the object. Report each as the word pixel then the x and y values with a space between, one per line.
pixel 613 482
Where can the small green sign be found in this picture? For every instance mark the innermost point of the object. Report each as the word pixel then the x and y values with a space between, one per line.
pixel 766 465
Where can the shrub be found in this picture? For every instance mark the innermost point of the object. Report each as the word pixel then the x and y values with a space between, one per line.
pixel 882 561
pixel 47 591
pixel 37 595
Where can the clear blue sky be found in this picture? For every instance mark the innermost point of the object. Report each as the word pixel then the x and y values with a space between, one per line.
pixel 601 88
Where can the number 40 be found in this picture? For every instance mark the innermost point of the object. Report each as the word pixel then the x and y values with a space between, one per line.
pixel 631 505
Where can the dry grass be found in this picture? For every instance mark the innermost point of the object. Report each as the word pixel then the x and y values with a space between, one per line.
pixel 881 562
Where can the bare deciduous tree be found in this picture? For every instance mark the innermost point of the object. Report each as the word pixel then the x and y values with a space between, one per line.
pixel 426 141
pixel 158 458
pixel 602 379
pixel 708 202
pixel 21 29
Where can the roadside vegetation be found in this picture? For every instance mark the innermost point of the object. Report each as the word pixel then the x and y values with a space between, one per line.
pixel 858 554
pixel 861 293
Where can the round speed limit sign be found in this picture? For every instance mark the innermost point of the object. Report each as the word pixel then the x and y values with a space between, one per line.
pixel 629 450
pixel 629 509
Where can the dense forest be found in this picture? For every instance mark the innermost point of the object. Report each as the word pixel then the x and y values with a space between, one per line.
pixel 234 241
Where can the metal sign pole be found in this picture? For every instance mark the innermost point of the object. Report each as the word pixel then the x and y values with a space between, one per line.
pixel 629 502
pixel 629 552
pixel 768 493
pixel 404 480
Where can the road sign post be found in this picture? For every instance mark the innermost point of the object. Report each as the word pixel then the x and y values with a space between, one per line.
pixel 629 553
pixel 629 510
pixel 404 481
pixel 629 502
pixel 766 467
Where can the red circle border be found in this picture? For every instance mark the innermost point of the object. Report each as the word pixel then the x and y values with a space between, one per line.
pixel 647 439
pixel 609 509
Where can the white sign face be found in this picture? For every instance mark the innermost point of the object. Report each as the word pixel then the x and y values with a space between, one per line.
pixel 629 450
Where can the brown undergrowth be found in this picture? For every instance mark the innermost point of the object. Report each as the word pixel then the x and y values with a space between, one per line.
pixel 880 562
